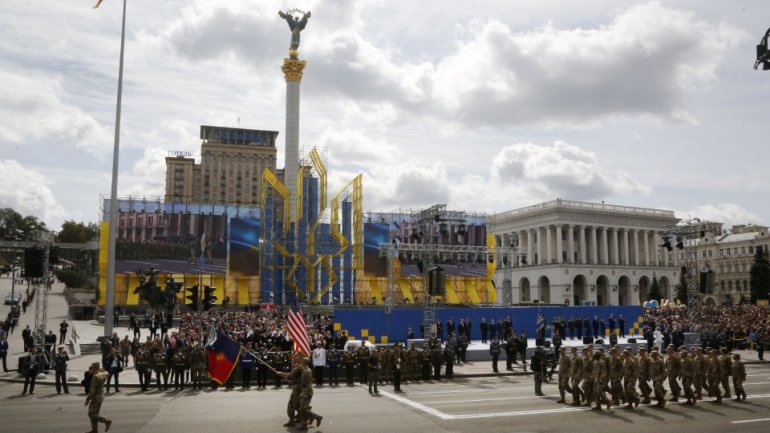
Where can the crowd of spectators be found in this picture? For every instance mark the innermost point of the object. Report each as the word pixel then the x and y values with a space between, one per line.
pixel 741 326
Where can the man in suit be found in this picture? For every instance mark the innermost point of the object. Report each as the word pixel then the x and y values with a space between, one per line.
pixel 595 324
pixel 484 328
pixel 36 363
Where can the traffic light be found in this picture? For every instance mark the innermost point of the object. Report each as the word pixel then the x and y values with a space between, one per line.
pixel 192 296
pixel 209 299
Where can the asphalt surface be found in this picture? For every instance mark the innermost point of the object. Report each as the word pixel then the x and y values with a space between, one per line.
pixel 472 402
pixel 478 405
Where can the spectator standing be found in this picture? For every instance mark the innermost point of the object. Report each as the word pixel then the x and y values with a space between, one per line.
pixel 60 361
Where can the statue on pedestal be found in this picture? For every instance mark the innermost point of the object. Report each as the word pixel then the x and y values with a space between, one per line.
pixel 296 25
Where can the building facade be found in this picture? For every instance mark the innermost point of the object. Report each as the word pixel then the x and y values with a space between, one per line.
pixel 724 261
pixel 579 253
pixel 230 172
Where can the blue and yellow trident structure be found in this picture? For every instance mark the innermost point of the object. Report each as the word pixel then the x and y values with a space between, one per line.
pixel 317 257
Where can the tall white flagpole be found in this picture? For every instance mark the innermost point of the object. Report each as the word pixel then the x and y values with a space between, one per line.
pixel 109 303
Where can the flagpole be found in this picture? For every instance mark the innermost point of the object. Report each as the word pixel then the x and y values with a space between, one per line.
pixel 109 302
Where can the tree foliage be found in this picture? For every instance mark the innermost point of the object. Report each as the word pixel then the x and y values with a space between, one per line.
pixel 654 292
pixel 760 275
pixel 77 232
pixel 15 226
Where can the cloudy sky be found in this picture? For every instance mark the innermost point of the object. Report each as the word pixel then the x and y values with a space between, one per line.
pixel 486 106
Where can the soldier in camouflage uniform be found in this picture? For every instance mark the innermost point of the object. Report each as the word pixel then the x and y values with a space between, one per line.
pixel 658 373
pixel 687 372
pixel 494 352
pixel 700 365
pixel 197 366
pixel 616 376
pixel 576 375
pixel 599 375
pixel 142 365
pixel 630 373
pixel 714 375
pixel 588 379
pixel 644 375
pixel 349 360
pixel 306 414
pixel 449 356
pixel 564 375
pixel 276 361
pixel 425 364
pixel 363 355
pixel 674 371
pixel 180 365
pixel 294 377
pixel 161 369
pixel 739 375
pixel 726 369
pixel 412 363
pixel 386 361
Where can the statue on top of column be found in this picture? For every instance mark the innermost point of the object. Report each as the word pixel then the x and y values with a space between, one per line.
pixel 296 25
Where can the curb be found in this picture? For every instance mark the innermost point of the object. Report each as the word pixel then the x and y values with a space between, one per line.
pixel 47 382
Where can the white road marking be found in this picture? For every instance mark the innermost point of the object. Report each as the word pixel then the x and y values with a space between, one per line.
pixel 749 420
pixel 481 399
pixel 755 383
pixel 449 417
pixel 469 390
pixel 418 406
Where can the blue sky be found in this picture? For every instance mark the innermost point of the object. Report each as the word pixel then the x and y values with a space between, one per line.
pixel 485 108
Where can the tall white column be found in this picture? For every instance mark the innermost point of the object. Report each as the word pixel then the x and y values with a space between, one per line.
pixel 582 245
pixel 615 248
pixel 530 248
pixel 594 247
pixel 626 256
pixel 548 245
pixel 540 247
pixel 636 248
pixel 645 240
pixel 664 253
pixel 655 250
pixel 570 244
pixel 605 249
pixel 292 69
pixel 559 245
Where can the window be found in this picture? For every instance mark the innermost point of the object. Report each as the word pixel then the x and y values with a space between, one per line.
pixel 751 249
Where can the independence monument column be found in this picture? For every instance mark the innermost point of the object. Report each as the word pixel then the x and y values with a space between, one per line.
pixel 292 69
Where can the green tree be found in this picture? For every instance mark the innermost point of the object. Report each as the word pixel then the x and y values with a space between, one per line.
pixel 681 287
pixel 14 226
pixel 760 275
pixel 654 292
pixel 77 233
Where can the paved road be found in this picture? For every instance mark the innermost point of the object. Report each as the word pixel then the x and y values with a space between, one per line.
pixel 476 405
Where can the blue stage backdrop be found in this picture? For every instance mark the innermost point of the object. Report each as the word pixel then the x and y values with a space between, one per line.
pixel 374 323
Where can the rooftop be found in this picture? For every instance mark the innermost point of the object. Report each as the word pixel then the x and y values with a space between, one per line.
pixel 580 205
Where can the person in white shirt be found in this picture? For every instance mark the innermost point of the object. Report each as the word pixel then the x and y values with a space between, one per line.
pixel 319 363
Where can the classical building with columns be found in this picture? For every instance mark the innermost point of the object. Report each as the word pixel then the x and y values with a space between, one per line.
pixel 578 253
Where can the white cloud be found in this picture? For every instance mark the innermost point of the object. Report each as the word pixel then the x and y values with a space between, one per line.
pixel 34 109
pixel 560 170
pixel 728 213
pixel 148 178
pixel 27 192
pixel 640 63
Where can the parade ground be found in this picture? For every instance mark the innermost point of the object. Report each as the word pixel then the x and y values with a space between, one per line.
pixel 475 400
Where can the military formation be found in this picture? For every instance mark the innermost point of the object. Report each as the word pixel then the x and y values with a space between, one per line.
pixel 595 378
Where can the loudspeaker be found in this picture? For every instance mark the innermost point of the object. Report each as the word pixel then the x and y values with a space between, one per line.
pixel 34 262
pixel 436 281
pixel 547 343
pixel 540 341
pixel 599 341
pixel 632 340
pixel 588 339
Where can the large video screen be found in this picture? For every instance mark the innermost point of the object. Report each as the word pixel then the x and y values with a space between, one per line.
pixel 374 235
pixel 244 246
pixel 179 243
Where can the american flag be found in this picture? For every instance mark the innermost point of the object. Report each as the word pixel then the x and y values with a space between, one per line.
pixel 297 330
